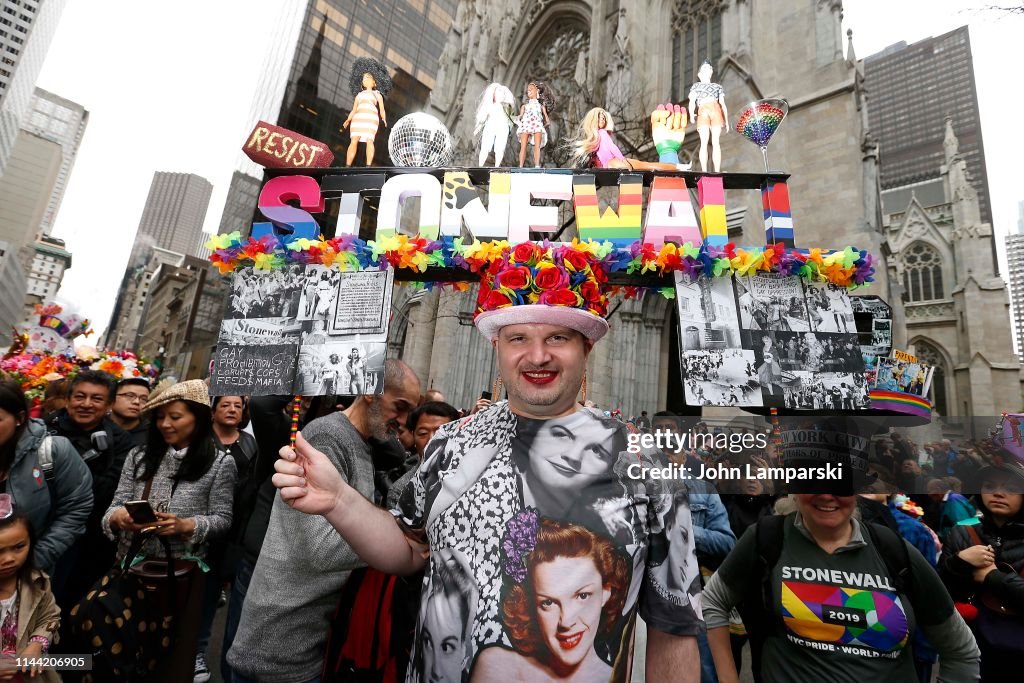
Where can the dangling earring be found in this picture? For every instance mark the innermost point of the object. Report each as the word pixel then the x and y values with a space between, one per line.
pixel 496 389
pixel 584 388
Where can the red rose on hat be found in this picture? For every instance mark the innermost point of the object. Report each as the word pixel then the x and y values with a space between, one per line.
pixel 560 297
pixel 482 296
pixel 516 277
pixel 496 300
pixel 494 266
pixel 575 259
pixel 590 292
pixel 548 279
pixel 527 252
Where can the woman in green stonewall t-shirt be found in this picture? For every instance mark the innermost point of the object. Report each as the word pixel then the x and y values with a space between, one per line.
pixel 835 612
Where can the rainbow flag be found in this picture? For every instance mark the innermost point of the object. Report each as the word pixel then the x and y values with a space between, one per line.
pixel 898 401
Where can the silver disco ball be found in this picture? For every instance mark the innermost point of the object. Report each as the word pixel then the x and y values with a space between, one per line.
pixel 419 139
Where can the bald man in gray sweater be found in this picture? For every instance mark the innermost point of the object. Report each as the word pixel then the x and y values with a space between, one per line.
pixel 304 563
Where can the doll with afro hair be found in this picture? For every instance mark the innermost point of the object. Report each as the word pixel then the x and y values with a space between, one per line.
pixel 369 83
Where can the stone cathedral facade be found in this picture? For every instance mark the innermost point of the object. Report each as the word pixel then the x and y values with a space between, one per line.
pixel 628 57
pixel 955 310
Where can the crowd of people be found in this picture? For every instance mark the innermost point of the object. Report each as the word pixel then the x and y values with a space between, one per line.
pixel 273 295
pixel 402 538
pixel 841 395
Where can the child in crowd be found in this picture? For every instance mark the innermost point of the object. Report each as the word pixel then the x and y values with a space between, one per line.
pixel 29 616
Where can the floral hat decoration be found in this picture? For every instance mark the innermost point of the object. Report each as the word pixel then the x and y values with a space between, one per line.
pixel 547 284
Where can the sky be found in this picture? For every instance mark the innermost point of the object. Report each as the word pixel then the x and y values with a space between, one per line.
pixel 169 87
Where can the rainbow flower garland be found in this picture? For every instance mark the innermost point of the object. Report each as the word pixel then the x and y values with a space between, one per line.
pixel 34 371
pixel 848 267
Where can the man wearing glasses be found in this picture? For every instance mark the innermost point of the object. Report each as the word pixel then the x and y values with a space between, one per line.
pixel 103 445
pixel 131 396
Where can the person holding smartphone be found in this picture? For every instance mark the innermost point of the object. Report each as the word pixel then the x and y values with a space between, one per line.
pixel 484 401
pixel 188 483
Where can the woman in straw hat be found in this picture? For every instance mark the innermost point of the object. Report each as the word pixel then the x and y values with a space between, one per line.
pixel 188 483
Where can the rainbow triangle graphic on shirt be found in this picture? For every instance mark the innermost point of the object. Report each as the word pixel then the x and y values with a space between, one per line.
pixel 882 621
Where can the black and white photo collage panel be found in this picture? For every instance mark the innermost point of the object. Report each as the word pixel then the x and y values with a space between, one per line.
pixel 331 326
pixel 769 340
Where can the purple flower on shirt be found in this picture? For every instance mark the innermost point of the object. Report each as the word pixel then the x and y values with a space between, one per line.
pixel 520 540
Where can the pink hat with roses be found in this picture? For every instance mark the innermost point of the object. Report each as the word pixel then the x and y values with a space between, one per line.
pixel 544 284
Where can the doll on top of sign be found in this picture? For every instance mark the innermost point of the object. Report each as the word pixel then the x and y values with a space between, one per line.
pixel 533 120
pixel 494 122
pixel 707 108
pixel 595 148
pixel 369 83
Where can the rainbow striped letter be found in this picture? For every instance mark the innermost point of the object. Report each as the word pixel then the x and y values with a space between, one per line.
pixel 621 229
pixel 711 197
pixel 778 219
pixel 670 216
pixel 287 222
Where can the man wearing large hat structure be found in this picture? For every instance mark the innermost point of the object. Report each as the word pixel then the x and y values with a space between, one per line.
pixel 540 540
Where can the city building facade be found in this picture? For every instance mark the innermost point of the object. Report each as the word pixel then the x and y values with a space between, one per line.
pixel 913 89
pixel 26 30
pixel 181 316
pixel 172 221
pixel 26 187
pixel 173 215
pixel 12 284
pixel 954 308
pixel 55 118
pixel 50 260
pixel 240 203
pixel 1015 280
pixel 131 299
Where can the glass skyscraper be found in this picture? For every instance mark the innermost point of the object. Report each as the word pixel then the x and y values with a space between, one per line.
pixel 26 29
pixel 912 88
pixel 306 74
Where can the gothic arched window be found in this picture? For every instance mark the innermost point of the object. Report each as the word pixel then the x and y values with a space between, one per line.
pixel 922 273
pixel 937 393
pixel 696 36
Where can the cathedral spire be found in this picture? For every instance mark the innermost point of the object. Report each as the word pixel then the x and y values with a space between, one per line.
pixel 950 142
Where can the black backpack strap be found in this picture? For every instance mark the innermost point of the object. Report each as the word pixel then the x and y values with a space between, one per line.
pixel 768 536
pixel 756 607
pixel 895 554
